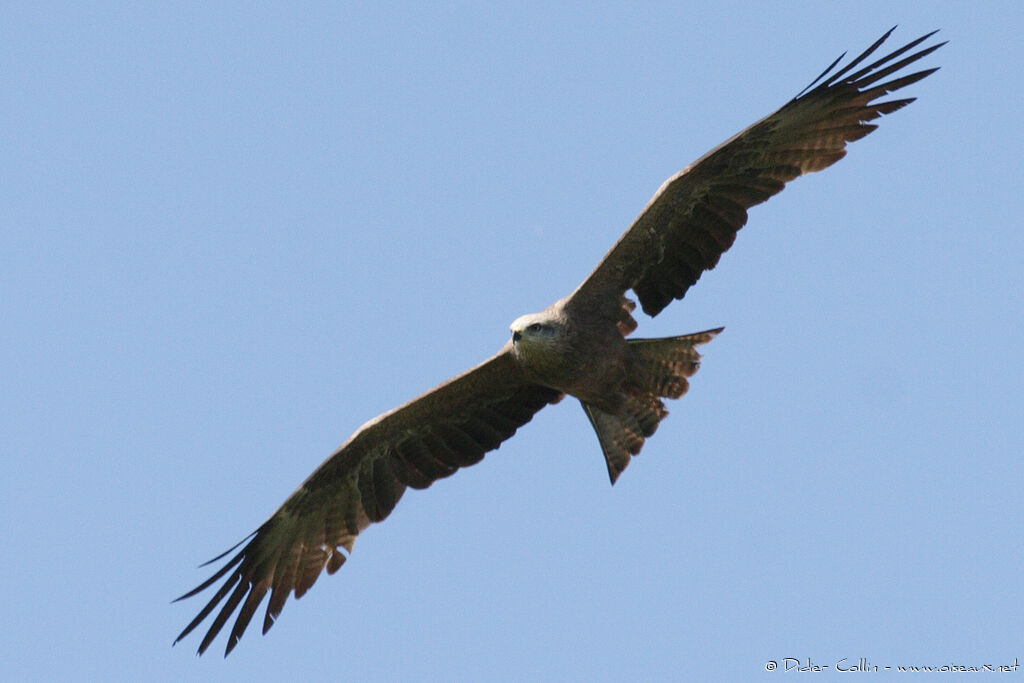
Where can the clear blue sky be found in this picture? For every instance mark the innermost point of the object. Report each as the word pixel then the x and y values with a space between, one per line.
pixel 231 236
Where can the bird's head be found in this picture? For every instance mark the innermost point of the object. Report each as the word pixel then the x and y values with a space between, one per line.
pixel 535 330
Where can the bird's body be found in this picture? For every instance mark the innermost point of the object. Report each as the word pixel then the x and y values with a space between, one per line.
pixel 580 355
pixel 578 346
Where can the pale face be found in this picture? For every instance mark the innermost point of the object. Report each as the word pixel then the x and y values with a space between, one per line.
pixel 533 328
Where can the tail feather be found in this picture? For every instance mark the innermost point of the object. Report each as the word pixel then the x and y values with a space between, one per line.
pixel 661 370
pixel 664 365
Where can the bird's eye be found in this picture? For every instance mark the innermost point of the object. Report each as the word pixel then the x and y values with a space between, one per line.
pixel 535 327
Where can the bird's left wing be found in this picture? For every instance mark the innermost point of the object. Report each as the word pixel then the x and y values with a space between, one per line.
pixel 426 439
pixel 693 218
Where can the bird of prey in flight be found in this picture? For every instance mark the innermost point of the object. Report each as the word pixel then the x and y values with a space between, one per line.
pixel 577 346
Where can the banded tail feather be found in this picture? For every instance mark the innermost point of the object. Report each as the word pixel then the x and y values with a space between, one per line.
pixel 661 369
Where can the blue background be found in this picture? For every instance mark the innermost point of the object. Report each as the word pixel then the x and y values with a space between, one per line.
pixel 233 233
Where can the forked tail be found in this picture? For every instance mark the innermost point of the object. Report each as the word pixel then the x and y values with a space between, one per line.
pixel 661 368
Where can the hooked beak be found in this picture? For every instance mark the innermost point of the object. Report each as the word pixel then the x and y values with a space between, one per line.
pixel 516 335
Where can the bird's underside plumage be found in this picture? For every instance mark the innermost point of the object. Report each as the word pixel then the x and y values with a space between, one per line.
pixel 688 224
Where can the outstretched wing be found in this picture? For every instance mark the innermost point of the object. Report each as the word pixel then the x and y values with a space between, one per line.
pixel 693 218
pixel 424 440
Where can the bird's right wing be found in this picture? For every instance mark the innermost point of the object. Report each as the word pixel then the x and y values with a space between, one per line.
pixel 426 439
